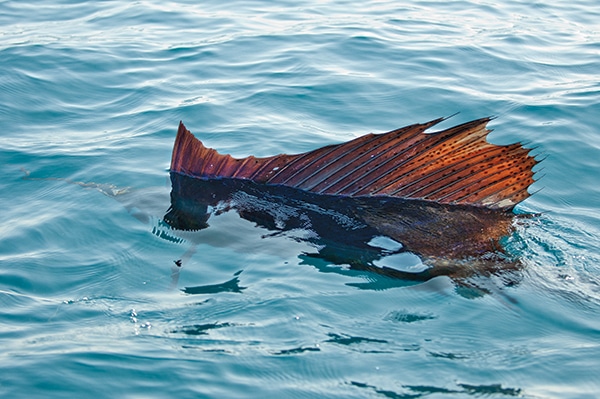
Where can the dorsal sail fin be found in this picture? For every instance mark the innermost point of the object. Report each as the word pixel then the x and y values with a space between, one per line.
pixel 453 166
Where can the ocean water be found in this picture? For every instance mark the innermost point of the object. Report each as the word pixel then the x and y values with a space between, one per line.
pixel 91 94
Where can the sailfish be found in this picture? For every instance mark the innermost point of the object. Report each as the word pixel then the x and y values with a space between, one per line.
pixel 447 197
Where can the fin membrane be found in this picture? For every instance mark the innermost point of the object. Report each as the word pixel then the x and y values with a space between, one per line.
pixel 453 166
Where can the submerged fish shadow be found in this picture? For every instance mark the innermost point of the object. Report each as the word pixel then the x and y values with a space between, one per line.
pixel 401 241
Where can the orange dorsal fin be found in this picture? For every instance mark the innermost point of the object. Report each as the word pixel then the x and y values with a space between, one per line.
pixel 453 166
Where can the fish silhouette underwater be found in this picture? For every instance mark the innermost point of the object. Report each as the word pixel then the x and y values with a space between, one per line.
pixel 447 197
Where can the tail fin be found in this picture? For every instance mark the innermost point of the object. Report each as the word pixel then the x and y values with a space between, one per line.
pixel 453 166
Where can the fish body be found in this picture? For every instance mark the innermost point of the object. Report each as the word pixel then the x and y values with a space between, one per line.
pixel 447 197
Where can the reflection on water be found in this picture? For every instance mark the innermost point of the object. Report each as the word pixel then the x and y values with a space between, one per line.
pixel 418 391
pixel 232 285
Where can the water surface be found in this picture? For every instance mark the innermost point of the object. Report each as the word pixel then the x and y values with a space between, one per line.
pixel 92 92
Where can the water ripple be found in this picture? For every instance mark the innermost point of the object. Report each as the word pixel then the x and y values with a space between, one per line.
pixel 92 92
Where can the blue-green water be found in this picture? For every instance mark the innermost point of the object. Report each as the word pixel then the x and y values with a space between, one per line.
pixel 93 91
